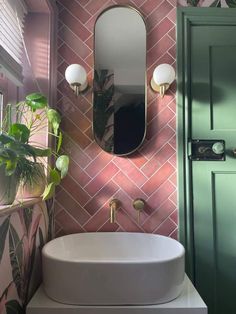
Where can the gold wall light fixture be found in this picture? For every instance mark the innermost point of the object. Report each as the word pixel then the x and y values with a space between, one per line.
pixel 163 77
pixel 76 76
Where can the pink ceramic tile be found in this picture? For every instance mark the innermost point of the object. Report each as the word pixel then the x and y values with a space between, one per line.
pixel 101 179
pixel 158 160
pixel 158 32
pixel 72 207
pixel 127 206
pixel 89 133
pixel 76 9
pixel 108 227
pixel 128 186
pixel 71 57
pixel 75 152
pixel 158 216
pixel 126 223
pixel 74 25
pixel 98 163
pixel 159 49
pixel 158 178
pixel 166 228
pixel 175 234
pixel 149 6
pixel 159 122
pixel 130 170
pixel 173 198
pixel 138 159
pixel 98 219
pixel 103 196
pixel 73 187
pixel 67 223
pixel 161 195
pixel 90 186
pixel 174 216
pixel 78 174
pixel 152 146
pixel 74 42
pixel 75 133
pixel 158 14
pixel 93 150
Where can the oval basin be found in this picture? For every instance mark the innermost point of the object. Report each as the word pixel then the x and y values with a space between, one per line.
pixel 113 269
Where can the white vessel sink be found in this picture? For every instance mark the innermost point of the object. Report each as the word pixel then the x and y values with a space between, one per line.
pixel 113 269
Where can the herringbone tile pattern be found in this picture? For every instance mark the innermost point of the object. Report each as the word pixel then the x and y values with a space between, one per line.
pixel 96 177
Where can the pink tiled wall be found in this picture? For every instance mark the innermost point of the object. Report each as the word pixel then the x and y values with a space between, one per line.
pixel 96 177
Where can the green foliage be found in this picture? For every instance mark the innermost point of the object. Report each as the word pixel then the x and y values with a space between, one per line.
pixel 59 142
pixel 55 176
pixel 231 3
pixel 3 234
pixel 54 119
pixel 17 153
pixel 41 239
pixel 16 258
pixel 20 132
pixel 8 157
pixel 193 3
pixel 62 164
pixel 49 191
pixel 103 108
pixel 14 307
pixel 216 3
pixel 36 101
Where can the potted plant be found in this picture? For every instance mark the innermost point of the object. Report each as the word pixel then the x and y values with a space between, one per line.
pixel 22 160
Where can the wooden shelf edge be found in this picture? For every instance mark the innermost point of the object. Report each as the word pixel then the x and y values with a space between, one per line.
pixel 18 204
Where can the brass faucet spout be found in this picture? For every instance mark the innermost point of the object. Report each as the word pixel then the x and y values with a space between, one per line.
pixel 114 205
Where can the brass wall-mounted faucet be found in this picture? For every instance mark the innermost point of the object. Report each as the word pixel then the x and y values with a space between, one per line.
pixel 138 204
pixel 114 205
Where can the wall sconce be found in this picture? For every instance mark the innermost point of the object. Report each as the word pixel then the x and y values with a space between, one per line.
pixel 76 76
pixel 163 77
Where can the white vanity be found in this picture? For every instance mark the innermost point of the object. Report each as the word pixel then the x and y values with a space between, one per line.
pixel 120 273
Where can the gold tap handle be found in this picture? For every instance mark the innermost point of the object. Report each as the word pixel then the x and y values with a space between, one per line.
pixel 139 204
pixel 114 205
pixel 139 211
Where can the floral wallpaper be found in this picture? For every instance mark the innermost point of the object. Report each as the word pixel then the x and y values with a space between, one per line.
pixel 208 3
pixel 22 236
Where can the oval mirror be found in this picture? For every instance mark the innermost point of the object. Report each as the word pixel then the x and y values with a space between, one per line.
pixel 119 102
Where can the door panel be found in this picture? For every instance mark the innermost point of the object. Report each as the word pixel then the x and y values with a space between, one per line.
pixel 207 189
pixel 213 104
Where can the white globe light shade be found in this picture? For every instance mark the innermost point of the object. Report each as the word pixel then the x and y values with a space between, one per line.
pixel 76 74
pixel 164 74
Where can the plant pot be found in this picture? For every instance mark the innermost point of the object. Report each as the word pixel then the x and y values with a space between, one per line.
pixel 8 187
pixel 35 187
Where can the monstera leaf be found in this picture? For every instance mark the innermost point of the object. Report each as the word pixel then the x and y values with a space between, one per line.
pixel 36 101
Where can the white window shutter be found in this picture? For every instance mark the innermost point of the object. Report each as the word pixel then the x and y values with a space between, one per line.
pixel 12 14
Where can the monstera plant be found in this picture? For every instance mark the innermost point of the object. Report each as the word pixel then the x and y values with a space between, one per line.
pixel 23 159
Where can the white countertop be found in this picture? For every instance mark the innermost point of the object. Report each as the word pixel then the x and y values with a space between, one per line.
pixel 189 302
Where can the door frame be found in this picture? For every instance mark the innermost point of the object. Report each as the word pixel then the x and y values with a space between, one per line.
pixel 186 18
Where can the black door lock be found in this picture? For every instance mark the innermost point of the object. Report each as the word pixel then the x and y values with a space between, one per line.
pixel 207 150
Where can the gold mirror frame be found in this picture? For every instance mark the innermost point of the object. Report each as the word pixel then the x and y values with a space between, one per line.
pixel 145 79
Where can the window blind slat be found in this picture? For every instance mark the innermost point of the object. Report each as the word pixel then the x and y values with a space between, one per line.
pixel 12 14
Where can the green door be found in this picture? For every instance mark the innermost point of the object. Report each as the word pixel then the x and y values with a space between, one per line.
pixel 207 109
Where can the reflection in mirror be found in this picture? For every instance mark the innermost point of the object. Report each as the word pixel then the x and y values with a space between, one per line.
pixel 119 102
